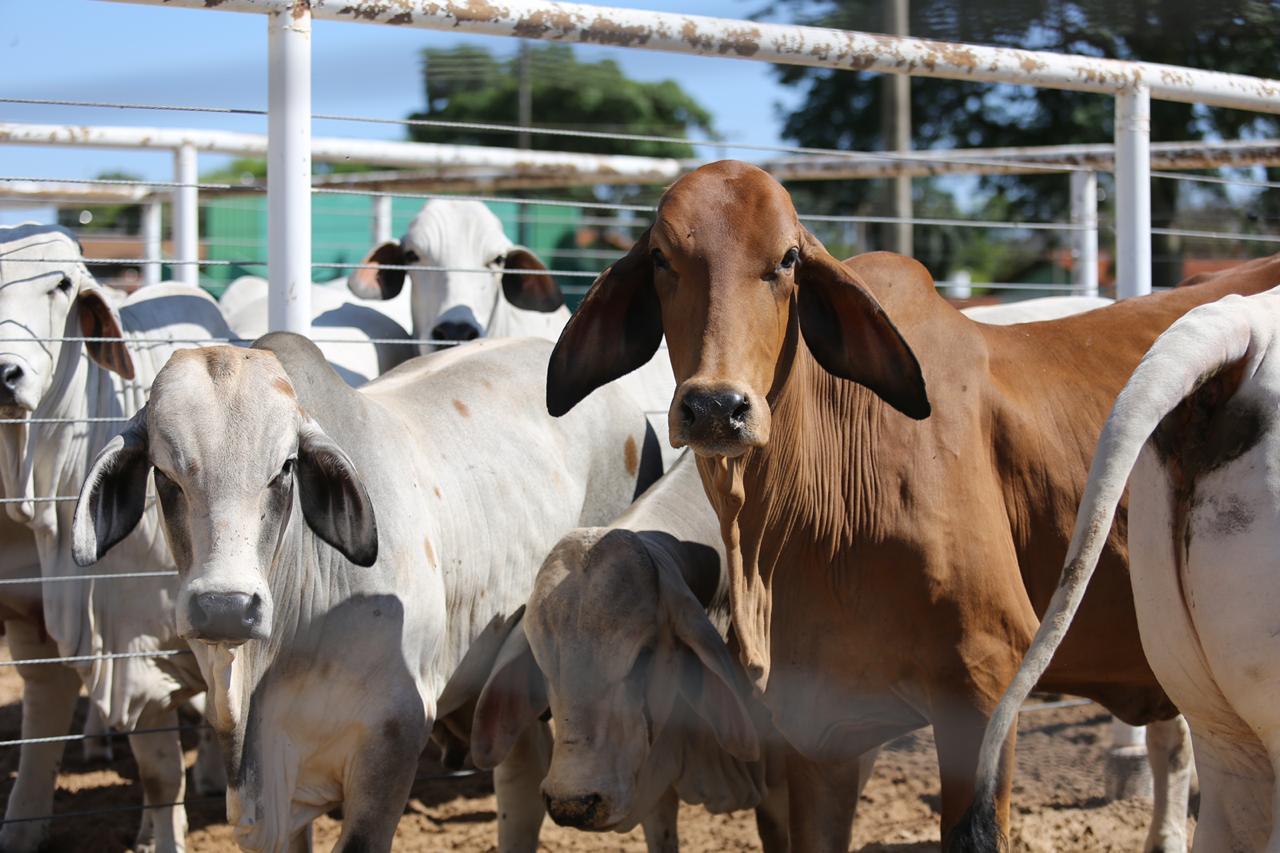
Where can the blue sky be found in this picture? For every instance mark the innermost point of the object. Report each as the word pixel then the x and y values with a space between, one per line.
pixel 103 51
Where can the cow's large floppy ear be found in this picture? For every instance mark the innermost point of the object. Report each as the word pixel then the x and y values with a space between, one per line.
pixel 334 501
pixel 372 280
pixel 114 494
pixel 850 335
pixel 615 330
pixel 98 319
pixel 514 697
pixel 711 680
pixel 530 291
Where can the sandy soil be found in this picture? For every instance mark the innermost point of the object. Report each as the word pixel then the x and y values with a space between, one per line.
pixel 1058 800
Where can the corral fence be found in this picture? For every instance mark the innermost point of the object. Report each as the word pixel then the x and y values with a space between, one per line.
pixel 484 172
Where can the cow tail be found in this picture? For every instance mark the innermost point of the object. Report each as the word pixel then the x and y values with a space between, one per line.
pixel 1193 349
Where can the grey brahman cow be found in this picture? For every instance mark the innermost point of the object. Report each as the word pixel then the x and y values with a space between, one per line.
pixel 623 640
pixel 341 548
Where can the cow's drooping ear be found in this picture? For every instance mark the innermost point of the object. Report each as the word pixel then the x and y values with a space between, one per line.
pixel 114 494
pixel 615 330
pixel 850 335
pixel 334 501
pixel 529 291
pixel 456 707
pixel 98 319
pixel 379 283
pixel 514 697
pixel 711 680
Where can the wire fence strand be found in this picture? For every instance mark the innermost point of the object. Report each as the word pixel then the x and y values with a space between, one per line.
pixel 90 658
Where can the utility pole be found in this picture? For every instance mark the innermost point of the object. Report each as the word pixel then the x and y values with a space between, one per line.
pixel 896 127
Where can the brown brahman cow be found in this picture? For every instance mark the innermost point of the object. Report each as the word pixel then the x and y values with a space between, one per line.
pixel 889 548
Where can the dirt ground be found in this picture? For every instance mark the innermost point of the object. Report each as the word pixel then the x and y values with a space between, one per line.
pixel 1058 800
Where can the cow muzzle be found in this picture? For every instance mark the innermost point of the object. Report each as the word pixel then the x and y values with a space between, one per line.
pixel 582 811
pixel 15 387
pixel 227 617
pixel 718 419
pixel 452 331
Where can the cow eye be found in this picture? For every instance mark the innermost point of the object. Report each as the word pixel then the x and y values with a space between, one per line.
pixel 500 260
pixel 165 484
pixel 64 286
pixel 286 471
pixel 789 259
pixel 410 257
pixel 659 260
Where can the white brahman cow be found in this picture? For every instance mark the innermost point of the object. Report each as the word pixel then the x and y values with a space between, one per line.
pixel 623 641
pixel 484 285
pixel 360 341
pixel 46 295
pixel 1034 310
pixel 341 548
pixel 1194 436
pixel 480 288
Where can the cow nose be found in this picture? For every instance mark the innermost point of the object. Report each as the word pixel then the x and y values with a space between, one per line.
pixel 586 811
pixel 701 408
pixel 225 616
pixel 453 331
pixel 10 378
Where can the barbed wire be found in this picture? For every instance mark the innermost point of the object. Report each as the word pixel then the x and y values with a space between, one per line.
pixel 922 157
pixel 577 204
pixel 105 656
pixel 25 741
pixel 70 578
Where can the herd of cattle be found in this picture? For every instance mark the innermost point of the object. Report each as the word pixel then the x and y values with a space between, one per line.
pixel 479 545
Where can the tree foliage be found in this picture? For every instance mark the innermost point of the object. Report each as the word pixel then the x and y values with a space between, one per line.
pixel 842 109
pixel 470 84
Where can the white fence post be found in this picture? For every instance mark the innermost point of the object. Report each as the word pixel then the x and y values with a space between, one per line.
pixel 1128 773
pixel 1133 192
pixel 289 169
pixel 959 286
pixel 152 243
pixel 186 216
pixel 1084 242
pixel 381 219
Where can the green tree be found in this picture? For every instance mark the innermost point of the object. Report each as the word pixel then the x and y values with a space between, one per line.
pixel 470 84
pixel 841 109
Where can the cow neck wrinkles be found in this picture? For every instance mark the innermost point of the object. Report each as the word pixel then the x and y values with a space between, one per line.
pixel 801 502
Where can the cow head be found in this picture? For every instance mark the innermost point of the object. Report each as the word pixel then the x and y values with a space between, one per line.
pixel 46 293
pixel 612 636
pixel 735 281
pixel 233 453
pixel 457 306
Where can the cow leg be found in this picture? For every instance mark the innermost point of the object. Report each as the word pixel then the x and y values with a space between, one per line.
pixel 661 825
pixel 49 693
pixel 771 820
pixel 958 736
pixel 1169 749
pixel 209 775
pixel 377 784
pixel 517 782
pixel 96 745
pixel 821 801
pixel 164 780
